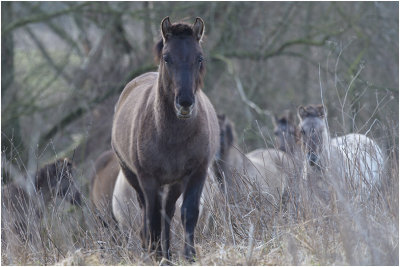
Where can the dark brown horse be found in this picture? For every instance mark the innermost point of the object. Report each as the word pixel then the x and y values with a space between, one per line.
pixel 165 134
pixel 286 132
pixel 51 181
pixel 102 184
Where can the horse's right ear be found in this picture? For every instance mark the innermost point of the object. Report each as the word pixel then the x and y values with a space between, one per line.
pixel 165 28
pixel 301 111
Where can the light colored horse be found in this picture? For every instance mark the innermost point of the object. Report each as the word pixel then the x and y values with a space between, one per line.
pixel 355 159
pixel 260 171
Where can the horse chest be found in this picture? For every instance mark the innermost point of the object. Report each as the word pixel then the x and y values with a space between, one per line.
pixel 169 164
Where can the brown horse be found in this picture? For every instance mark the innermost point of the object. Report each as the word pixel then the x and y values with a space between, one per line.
pixel 286 132
pixel 102 184
pixel 51 181
pixel 165 135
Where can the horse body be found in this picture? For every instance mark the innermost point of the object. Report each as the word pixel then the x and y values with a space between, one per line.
pixel 125 206
pixel 19 207
pixel 362 156
pixel 102 185
pixel 268 168
pixel 354 159
pixel 165 133
pixel 265 168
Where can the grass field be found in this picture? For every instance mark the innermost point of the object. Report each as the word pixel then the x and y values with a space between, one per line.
pixel 317 225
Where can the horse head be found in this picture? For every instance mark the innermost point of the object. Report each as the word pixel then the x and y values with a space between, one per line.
pixel 181 64
pixel 285 131
pixel 313 131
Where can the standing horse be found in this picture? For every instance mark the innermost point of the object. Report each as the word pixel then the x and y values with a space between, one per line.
pixel 102 184
pixel 356 158
pixel 165 135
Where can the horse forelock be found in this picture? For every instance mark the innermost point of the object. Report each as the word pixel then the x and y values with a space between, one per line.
pixel 176 30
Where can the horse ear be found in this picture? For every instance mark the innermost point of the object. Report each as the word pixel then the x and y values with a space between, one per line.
pixel 301 111
pixel 198 29
pixel 165 28
pixel 321 111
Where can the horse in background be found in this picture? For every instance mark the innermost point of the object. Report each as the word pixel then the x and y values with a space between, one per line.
pixel 355 159
pixel 20 206
pixel 102 184
pixel 262 171
pixel 287 135
pixel 165 135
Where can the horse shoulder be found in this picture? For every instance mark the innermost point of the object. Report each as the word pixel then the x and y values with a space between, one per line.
pixel 128 118
pixel 143 81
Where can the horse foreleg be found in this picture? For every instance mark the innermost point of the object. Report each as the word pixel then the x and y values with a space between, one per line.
pixel 152 219
pixel 190 210
pixel 174 191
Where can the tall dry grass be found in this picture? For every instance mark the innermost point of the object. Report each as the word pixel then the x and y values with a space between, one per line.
pixel 317 225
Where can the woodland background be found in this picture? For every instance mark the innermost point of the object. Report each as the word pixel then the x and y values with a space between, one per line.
pixel 64 64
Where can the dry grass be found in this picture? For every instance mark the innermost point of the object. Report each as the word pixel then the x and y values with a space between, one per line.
pixel 309 230
pixel 318 225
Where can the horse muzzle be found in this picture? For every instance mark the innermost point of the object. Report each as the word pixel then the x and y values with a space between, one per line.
pixel 183 112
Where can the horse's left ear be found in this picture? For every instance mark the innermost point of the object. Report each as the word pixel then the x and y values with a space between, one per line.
pixel 198 29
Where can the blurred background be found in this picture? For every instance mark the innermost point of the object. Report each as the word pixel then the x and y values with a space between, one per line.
pixel 64 65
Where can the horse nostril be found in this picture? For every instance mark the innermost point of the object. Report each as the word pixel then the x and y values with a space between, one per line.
pixel 186 103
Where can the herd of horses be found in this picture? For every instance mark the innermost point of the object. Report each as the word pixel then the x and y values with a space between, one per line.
pixel 168 144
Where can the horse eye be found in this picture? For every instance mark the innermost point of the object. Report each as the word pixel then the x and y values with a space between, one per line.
pixel 166 59
pixel 303 132
pixel 200 59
